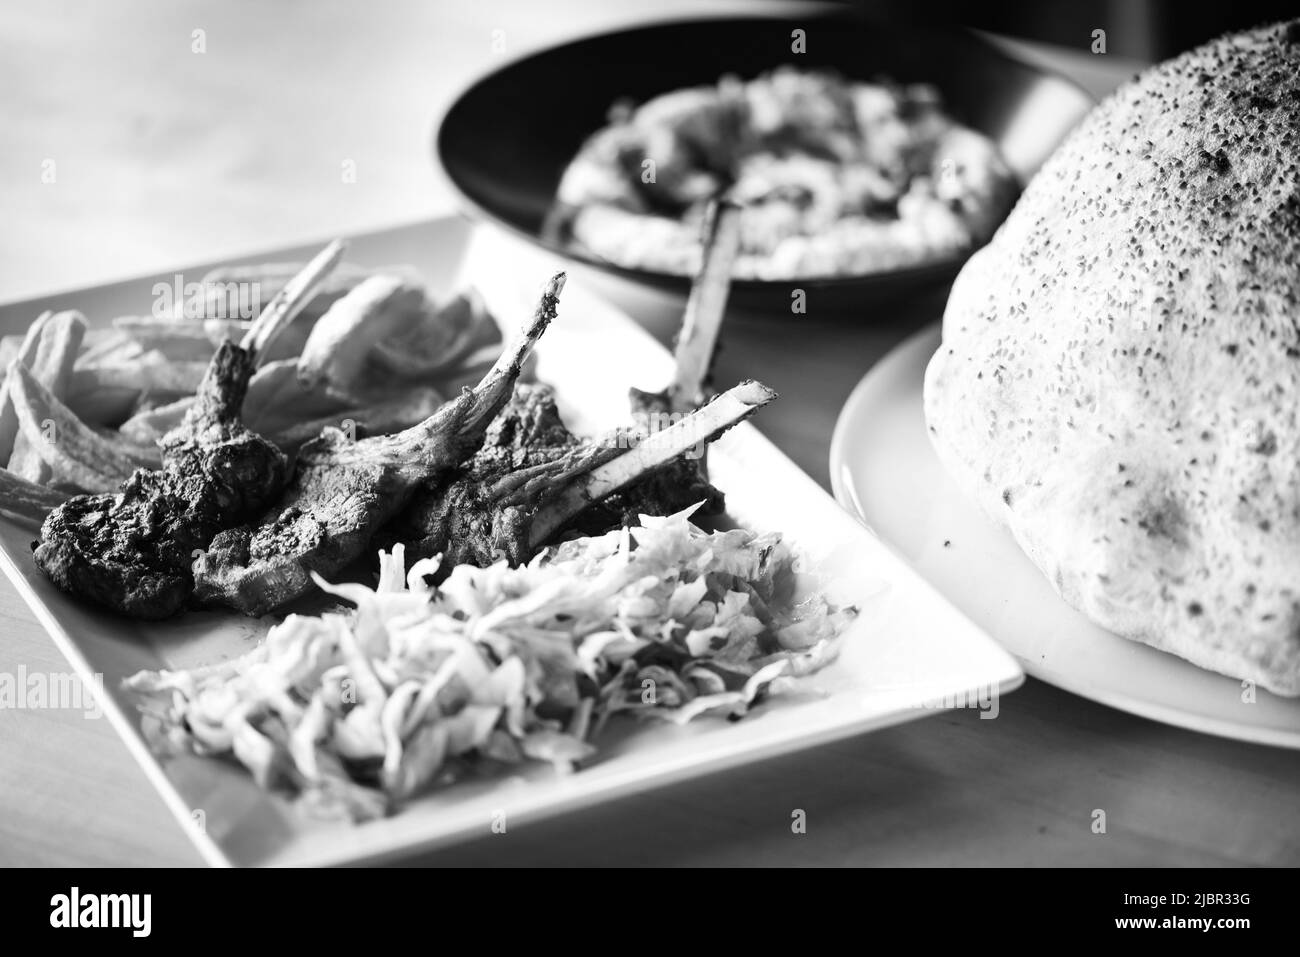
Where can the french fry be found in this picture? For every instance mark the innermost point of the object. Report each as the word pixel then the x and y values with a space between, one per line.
pixel 150 425
pixel 381 307
pixel 26 355
pixel 443 338
pixel 230 297
pixel 229 290
pixel 10 346
pixel 287 304
pixel 104 406
pixel 27 501
pixel 352 367
pixel 194 339
pixel 276 400
pixel 110 393
pixel 110 404
pixel 77 455
pixel 107 346
pixel 56 351
pixel 181 340
pixel 145 455
pixel 151 372
pixel 272 389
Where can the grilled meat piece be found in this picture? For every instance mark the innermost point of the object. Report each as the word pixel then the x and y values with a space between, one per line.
pixel 133 550
pixel 677 485
pixel 528 432
pixel 489 510
pixel 648 454
pixel 533 480
pixel 482 514
pixel 345 491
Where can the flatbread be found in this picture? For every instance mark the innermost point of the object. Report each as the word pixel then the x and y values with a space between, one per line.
pixel 1119 380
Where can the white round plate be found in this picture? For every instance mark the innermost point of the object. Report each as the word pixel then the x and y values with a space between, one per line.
pixel 884 470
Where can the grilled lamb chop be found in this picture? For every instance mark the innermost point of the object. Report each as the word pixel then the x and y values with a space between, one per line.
pixel 680 483
pixel 532 479
pixel 344 491
pixel 648 455
pixel 466 519
pixel 133 550
pixel 485 513
pixel 473 518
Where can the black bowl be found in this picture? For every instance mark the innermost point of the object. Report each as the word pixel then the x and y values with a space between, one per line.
pixel 506 141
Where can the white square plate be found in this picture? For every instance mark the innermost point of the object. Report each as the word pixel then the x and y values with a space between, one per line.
pixel 907 654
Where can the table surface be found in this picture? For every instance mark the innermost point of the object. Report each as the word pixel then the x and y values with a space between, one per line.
pixel 164 157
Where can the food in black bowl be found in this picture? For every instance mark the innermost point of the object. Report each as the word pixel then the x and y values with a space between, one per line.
pixel 834 178
pixel 507 141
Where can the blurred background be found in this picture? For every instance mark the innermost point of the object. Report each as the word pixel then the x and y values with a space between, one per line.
pixel 1142 29
pixel 141 136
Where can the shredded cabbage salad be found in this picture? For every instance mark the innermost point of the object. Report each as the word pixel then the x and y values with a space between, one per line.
pixel 352 712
